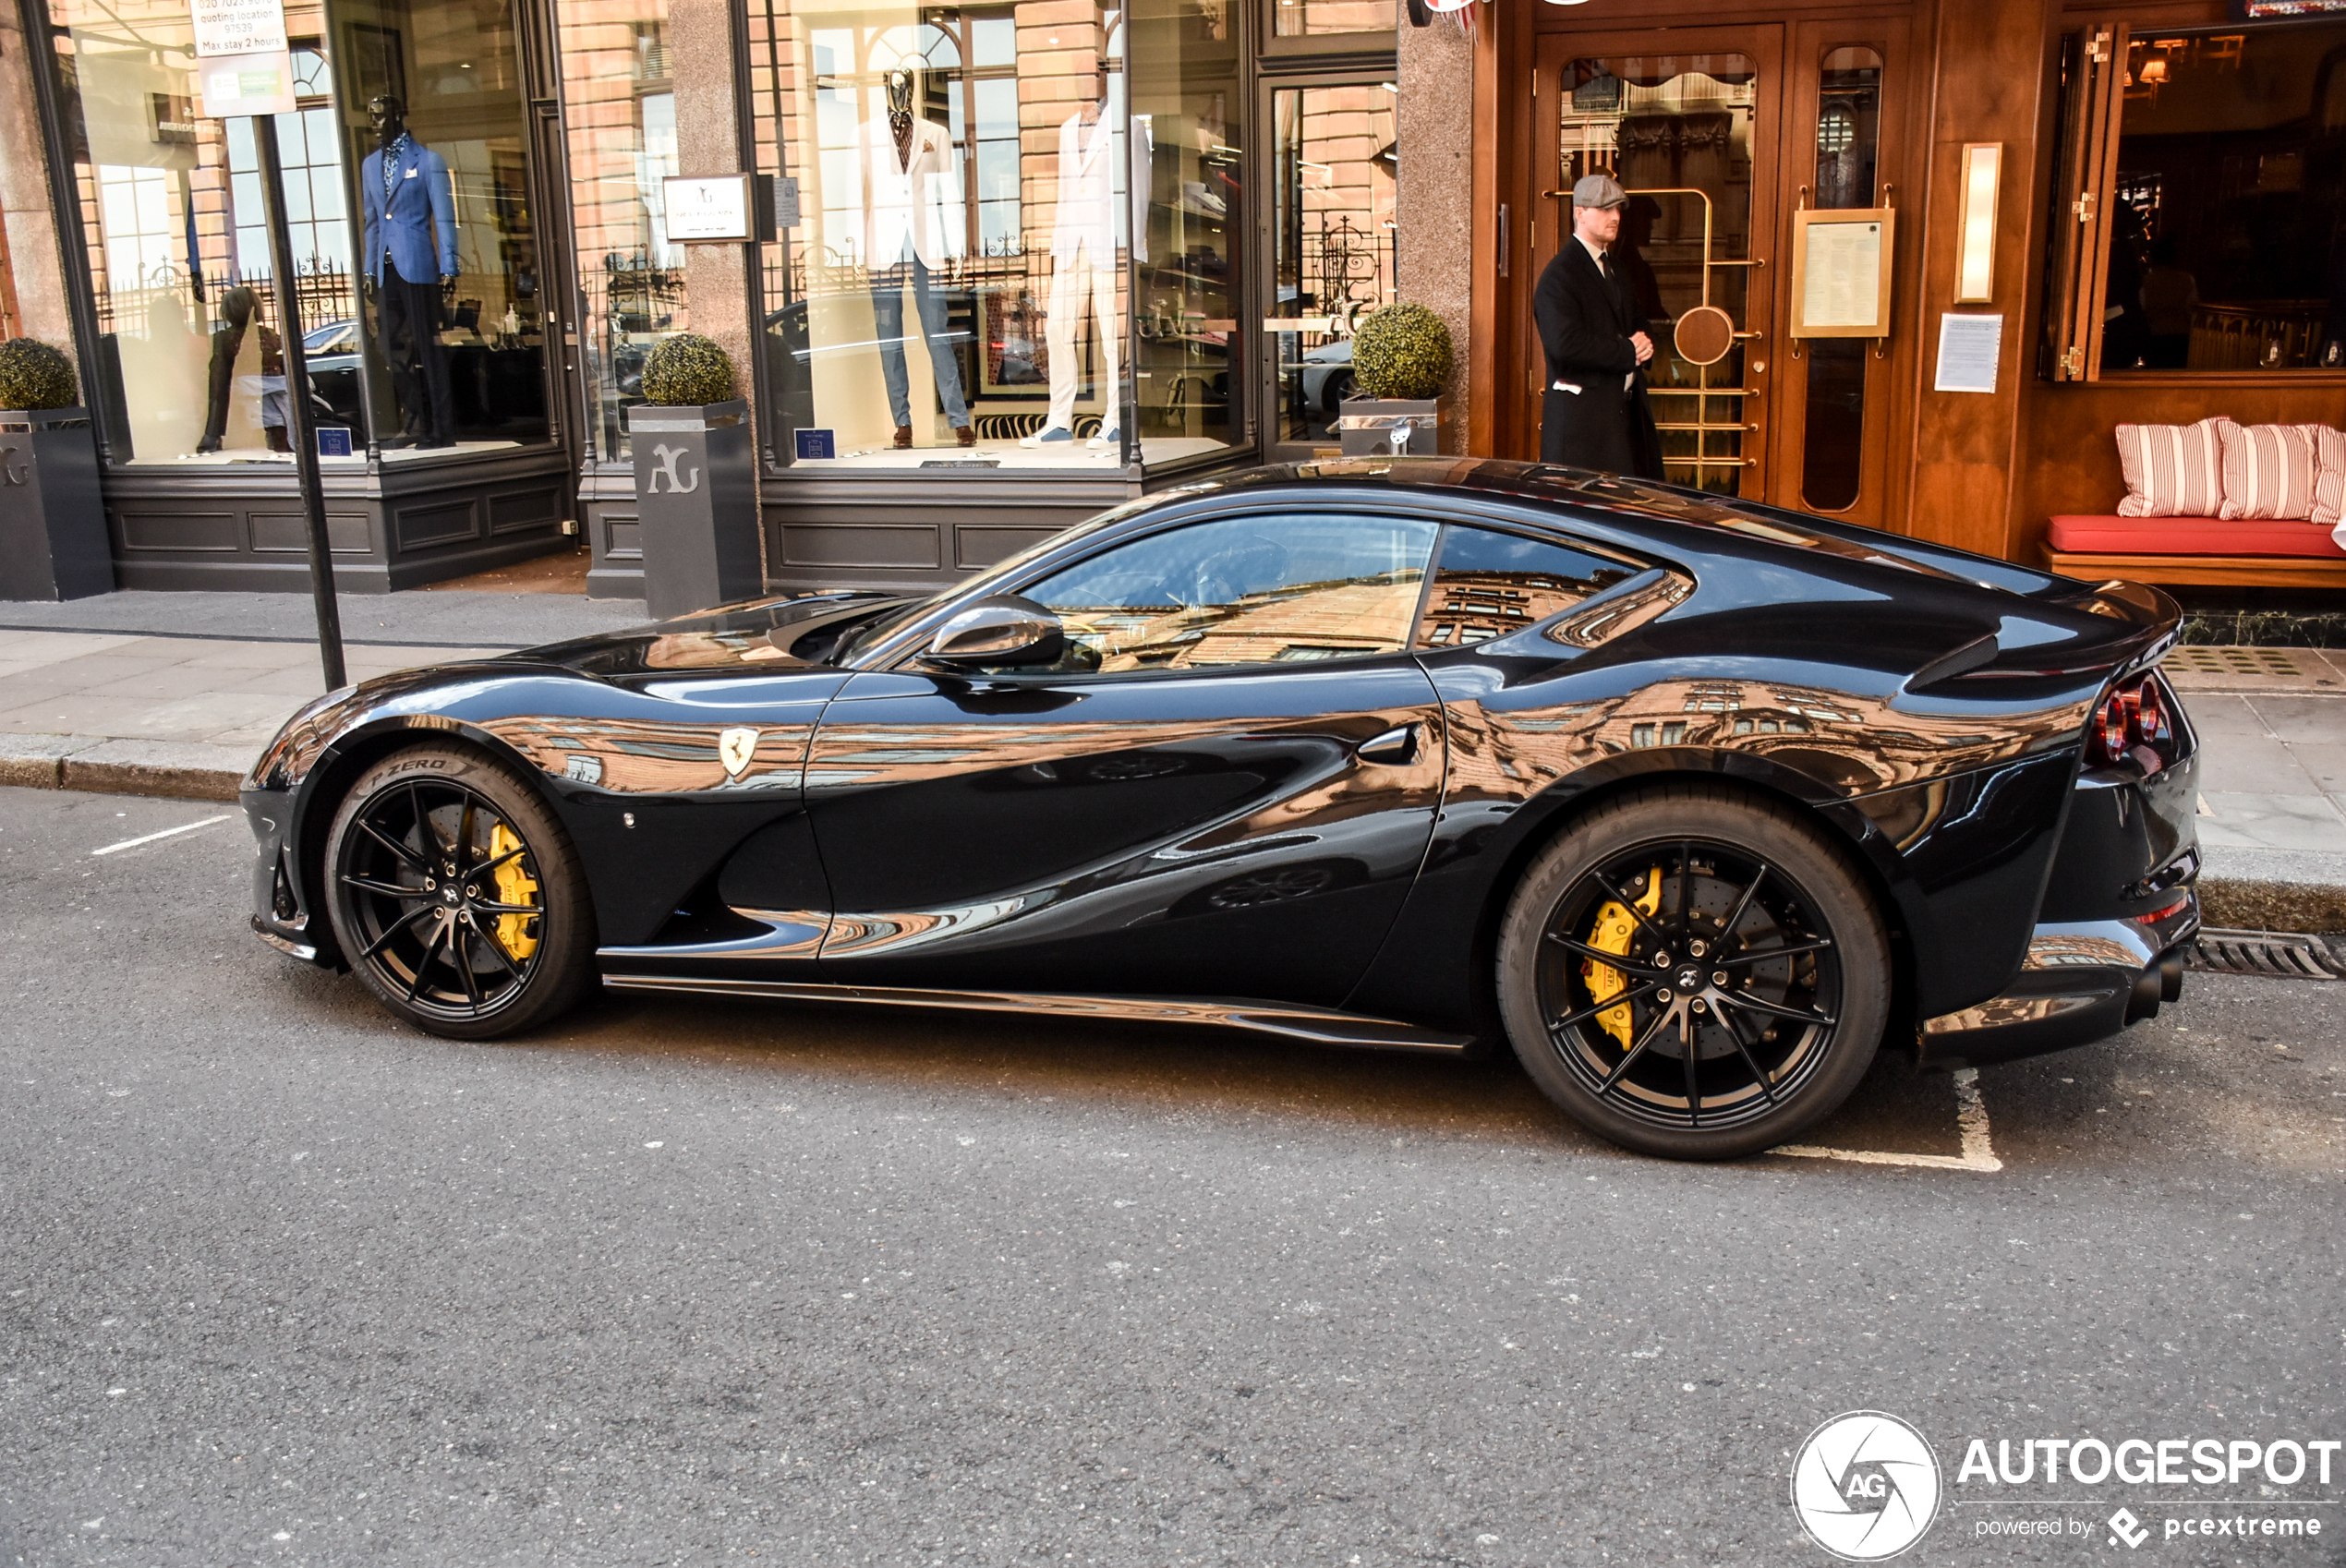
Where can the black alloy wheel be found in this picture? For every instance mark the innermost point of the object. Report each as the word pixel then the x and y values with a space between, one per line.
pixel 1695 972
pixel 457 896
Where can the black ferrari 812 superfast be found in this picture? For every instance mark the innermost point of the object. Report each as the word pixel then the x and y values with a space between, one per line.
pixel 1697 803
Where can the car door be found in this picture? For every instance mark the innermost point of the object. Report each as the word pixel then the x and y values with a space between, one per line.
pixel 1224 788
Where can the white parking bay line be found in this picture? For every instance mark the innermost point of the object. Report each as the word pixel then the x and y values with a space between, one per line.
pixel 1971 1121
pixel 166 832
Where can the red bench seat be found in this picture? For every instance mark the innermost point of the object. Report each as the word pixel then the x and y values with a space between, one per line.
pixel 2196 551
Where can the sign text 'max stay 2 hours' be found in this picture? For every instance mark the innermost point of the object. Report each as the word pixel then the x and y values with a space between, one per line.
pixel 238 27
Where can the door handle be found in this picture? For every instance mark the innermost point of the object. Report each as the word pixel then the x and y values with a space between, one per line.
pixel 1394 748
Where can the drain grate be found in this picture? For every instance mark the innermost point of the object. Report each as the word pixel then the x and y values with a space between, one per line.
pixel 2263 952
pixel 2231 660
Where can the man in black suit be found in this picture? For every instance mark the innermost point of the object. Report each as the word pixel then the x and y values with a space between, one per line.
pixel 1594 414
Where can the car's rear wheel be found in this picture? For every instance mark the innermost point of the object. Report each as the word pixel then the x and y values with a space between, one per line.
pixel 1694 971
pixel 456 896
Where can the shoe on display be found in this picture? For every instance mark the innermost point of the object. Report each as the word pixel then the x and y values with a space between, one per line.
pixel 903 436
pixel 1105 439
pixel 1057 435
pixel 965 434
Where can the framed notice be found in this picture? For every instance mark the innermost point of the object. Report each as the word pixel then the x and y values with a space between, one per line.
pixel 1841 266
pixel 1969 347
pixel 708 209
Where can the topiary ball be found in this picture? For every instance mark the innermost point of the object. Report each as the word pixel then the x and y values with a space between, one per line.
pixel 687 370
pixel 34 375
pixel 1401 351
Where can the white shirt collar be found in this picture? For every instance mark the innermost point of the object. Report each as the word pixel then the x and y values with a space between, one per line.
pixel 1596 252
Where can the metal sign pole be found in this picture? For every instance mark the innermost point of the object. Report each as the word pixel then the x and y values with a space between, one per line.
pixel 299 427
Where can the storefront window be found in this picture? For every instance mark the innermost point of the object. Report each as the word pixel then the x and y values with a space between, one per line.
pixel 432 97
pixel 619 115
pixel 191 365
pixel 1333 165
pixel 976 188
pixel 1298 18
pixel 2226 251
pixel 1189 116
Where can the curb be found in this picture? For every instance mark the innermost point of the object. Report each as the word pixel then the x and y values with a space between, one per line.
pixel 2246 904
pixel 188 770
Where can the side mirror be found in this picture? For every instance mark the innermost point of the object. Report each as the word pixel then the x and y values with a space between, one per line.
pixel 1001 629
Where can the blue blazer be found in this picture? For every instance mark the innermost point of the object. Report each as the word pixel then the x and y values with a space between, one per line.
pixel 421 201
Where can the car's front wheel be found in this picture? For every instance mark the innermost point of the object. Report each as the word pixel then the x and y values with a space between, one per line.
pixel 1694 971
pixel 456 896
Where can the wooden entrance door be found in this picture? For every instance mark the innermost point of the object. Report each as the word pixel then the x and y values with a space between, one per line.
pixel 1688 121
pixel 1841 405
pixel 1743 124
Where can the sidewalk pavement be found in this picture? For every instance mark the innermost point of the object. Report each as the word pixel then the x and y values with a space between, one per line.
pixel 156 694
pixel 174 693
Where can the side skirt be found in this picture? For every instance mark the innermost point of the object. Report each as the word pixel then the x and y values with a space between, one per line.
pixel 1320 1026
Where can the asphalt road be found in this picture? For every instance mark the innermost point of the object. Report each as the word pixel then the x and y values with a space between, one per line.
pixel 283 1283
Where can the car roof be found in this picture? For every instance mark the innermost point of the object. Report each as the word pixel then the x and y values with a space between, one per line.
pixel 1617 499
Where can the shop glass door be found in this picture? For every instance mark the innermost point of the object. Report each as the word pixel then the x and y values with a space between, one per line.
pixel 1692 136
pixel 1331 252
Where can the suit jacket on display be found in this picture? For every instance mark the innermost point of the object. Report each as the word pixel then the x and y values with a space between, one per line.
pixel 421 202
pixel 1585 326
pixel 921 203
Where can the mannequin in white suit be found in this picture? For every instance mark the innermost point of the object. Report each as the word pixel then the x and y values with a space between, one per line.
pixel 1083 271
pixel 912 225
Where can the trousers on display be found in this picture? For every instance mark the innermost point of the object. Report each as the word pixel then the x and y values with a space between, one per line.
pixel 407 316
pixel 1076 278
pixel 887 318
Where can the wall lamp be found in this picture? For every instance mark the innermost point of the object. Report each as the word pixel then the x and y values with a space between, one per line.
pixel 1976 262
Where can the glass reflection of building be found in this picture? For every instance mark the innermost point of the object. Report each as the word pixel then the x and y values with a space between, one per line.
pixel 1034 263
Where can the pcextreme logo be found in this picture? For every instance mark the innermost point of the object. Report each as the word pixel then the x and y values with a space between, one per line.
pixel 1866 1486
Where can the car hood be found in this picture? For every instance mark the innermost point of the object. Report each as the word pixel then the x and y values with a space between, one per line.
pixel 793 631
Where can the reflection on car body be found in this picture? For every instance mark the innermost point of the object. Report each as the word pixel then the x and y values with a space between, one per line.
pixel 1695 803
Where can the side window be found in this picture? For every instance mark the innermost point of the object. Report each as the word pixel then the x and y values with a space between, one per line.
pixel 1244 590
pixel 1490 583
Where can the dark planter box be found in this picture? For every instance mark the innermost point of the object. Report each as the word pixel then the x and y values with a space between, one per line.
pixel 53 522
pixel 696 506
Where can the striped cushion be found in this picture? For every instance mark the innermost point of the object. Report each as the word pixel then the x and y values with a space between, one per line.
pixel 2329 476
pixel 2268 471
pixel 2172 470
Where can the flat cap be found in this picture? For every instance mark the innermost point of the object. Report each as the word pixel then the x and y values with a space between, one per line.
pixel 1599 190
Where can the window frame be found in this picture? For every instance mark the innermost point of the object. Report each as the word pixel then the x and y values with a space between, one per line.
pixel 1642 568
pixel 1633 568
pixel 1408 647
pixel 2086 72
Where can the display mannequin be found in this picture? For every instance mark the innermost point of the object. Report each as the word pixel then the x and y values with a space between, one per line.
pixel 1083 267
pixel 913 226
pixel 410 245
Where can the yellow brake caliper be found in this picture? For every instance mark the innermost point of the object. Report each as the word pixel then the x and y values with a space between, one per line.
pixel 516 885
pixel 1611 932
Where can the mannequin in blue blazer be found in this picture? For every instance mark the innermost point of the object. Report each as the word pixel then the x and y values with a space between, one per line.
pixel 410 213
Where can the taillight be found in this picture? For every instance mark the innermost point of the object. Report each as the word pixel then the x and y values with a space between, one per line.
pixel 2129 725
pixel 2150 715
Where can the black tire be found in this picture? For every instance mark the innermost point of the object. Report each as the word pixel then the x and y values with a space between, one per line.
pixel 1777 1043
pixel 503 944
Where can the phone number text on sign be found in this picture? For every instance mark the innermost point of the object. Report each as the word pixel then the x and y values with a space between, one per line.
pixel 238 27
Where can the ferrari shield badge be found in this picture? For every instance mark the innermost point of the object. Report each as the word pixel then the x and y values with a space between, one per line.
pixel 735 748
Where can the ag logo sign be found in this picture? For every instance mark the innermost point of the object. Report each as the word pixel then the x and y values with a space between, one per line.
pixel 1866 1486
